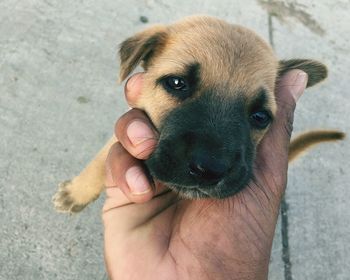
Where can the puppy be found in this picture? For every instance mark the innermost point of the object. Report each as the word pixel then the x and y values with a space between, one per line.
pixel 209 89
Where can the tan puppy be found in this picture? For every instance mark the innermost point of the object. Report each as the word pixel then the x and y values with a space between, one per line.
pixel 209 89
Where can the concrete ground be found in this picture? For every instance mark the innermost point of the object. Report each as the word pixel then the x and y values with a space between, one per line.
pixel 59 101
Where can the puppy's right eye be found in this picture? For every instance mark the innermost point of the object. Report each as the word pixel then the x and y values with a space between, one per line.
pixel 177 86
pixel 260 119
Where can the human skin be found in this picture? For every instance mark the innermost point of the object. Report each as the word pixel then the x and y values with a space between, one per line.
pixel 151 233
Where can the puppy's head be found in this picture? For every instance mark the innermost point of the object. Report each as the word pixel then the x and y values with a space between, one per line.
pixel 209 89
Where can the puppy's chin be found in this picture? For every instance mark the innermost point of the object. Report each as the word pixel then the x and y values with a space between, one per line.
pixel 225 188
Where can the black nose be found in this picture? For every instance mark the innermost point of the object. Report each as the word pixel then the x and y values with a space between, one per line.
pixel 207 168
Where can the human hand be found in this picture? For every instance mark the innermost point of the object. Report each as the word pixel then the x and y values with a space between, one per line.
pixel 150 233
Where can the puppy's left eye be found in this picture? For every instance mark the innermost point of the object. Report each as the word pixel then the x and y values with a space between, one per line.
pixel 260 119
pixel 175 84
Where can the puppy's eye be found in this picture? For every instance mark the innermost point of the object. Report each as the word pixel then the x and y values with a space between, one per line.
pixel 260 119
pixel 174 83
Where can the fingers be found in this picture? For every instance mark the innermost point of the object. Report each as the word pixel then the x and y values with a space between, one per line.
pixel 136 134
pixel 272 156
pixel 134 130
pixel 126 172
pixel 133 88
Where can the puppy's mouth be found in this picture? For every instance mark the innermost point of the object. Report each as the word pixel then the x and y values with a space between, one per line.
pixel 224 188
pixel 194 192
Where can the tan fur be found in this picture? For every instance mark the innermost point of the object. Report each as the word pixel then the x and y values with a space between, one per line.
pixel 317 71
pixel 195 40
pixel 307 140
pixel 75 194
pixel 230 56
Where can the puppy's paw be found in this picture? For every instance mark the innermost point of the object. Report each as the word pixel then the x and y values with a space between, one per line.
pixel 64 201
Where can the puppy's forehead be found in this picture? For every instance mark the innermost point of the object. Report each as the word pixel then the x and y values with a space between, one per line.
pixel 228 55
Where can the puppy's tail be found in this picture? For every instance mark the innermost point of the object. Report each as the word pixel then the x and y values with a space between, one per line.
pixel 307 140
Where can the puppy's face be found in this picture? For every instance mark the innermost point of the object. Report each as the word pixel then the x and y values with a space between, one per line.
pixel 209 89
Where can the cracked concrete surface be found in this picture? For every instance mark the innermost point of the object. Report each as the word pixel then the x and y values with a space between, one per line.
pixel 59 101
pixel 287 9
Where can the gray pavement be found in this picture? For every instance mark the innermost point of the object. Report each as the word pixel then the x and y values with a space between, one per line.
pixel 59 101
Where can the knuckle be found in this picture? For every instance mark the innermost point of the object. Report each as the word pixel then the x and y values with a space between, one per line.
pixel 121 122
pixel 146 150
pixel 116 151
pixel 289 124
pixel 287 116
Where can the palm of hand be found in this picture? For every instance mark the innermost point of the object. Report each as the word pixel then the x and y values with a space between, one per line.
pixel 170 238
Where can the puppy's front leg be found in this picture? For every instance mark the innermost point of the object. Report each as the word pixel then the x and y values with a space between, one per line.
pixel 72 196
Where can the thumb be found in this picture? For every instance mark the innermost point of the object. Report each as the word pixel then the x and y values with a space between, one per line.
pixel 288 91
pixel 272 156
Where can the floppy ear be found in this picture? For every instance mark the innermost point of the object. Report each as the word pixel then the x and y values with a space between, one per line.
pixel 316 71
pixel 140 48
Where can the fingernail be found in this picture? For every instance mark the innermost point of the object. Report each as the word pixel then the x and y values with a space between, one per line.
pixel 137 181
pixel 138 132
pixel 299 85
